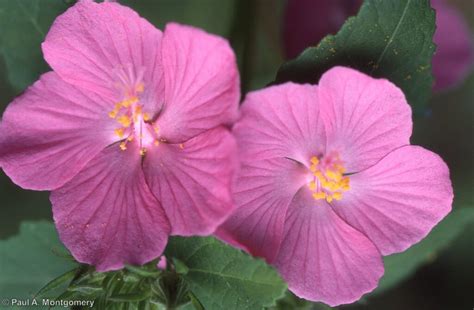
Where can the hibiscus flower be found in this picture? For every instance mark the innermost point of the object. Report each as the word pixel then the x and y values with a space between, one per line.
pixel 128 132
pixel 329 183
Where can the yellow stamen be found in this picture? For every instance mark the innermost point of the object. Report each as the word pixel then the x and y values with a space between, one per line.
pixel 128 102
pixel 146 117
pixel 123 146
pixel 125 121
pixel 142 151
pixel 138 109
pixel 140 88
pixel 329 182
pixel 319 195
pixel 156 142
pixel 340 168
pixel 113 114
pixel 334 175
pixel 319 175
pixel 119 132
pixel 337 195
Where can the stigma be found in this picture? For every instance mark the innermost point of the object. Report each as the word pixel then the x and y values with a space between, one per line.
pixel 328 180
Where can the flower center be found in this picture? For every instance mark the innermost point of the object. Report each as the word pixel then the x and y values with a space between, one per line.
pixel 328 180
pixel 133 122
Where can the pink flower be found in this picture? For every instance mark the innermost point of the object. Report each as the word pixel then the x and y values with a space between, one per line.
pixel 453 59
pixel 128 132
pixel 162 263
pixel 329 183
pixel 308 21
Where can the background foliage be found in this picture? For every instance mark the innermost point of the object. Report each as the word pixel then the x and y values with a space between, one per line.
pixel 435 274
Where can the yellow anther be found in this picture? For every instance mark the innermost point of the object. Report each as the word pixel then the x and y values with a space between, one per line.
pixel 156 142
pixel 345 185
pixel 130 138
pixel 113 114
pixel 324 183
pixel 146 117
pixel 138 109
pixel 319 195
pixel 340 168
pixel 142 151
pixel 332 186
pixel 118 106
pixel 140 88
pixel 119 132
pixel 123 146
pixel 124 120
pixel 156 129
pixel 334 175
pixel 128 102
pixel 319 175
pixel 329 182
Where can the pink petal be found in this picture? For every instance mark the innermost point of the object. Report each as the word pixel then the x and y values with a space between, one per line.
pixel 48 134
pixel 91 43
pixel 278 132
pixel 107 216
pixel 281 121
pixel 399 200
pixel 193 181
pixel 162 263
pixel 324 259
pixel 454 54
pixel 366 118
pixel 263 192
pixel 201 83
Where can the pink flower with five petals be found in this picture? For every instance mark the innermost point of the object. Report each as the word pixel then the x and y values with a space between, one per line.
pixel 128 131
pixel 329 183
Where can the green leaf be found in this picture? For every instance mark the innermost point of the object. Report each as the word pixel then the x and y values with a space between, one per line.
pixel 388 38
pixel 399 266
pixel 57 282
pixel 143 272
pixel 222 277
pixel 86 289
pixel 180 266
pixel 24 25
pixel 131 297
pixel 195 302
pixel 27 261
